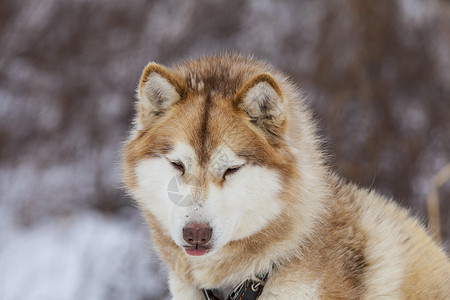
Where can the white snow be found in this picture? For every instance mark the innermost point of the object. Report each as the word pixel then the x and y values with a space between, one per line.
pixel 82 256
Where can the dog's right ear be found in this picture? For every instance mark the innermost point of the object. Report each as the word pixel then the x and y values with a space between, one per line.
pixel 159 88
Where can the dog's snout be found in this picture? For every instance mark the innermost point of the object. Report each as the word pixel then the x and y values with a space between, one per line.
pixel 197 234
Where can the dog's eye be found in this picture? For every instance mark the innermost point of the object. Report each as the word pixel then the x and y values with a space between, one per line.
pixel 230 171
pixel 178 166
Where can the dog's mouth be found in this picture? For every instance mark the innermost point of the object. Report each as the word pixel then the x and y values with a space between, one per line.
pixel 197 250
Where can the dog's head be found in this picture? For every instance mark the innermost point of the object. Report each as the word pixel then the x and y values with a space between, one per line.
pixel 208 157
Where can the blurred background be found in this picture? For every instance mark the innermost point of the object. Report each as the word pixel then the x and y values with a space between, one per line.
pixel 376 74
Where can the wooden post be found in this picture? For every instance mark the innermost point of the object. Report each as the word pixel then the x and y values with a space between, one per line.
pixel 433 202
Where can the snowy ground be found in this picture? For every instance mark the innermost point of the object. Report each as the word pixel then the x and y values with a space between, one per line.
pixel 83 256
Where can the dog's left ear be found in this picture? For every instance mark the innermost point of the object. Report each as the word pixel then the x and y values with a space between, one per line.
pixel 261 98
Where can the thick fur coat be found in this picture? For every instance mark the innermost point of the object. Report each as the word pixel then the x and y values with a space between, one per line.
pixel 257 196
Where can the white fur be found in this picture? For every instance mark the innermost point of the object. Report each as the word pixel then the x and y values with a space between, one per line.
pixel 386 257
pixel 184 153
pixel 153 177
pixel 222 159
pixel 302 291
pixel 183 291
pixel 197 83
pixel 244 205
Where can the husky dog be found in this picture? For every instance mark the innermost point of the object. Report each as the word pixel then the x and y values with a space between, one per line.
pixel 225 164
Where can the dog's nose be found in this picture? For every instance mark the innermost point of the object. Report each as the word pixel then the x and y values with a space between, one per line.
pixel 197 234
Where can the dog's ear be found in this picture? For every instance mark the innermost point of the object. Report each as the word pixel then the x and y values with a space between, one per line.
pixel 261 98
pixel 159 88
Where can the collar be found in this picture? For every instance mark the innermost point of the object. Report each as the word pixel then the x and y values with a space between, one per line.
pixel 249 289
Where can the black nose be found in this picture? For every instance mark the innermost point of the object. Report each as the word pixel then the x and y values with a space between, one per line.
pixel 197 234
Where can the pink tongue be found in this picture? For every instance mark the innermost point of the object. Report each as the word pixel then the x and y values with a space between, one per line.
pixel 195 252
